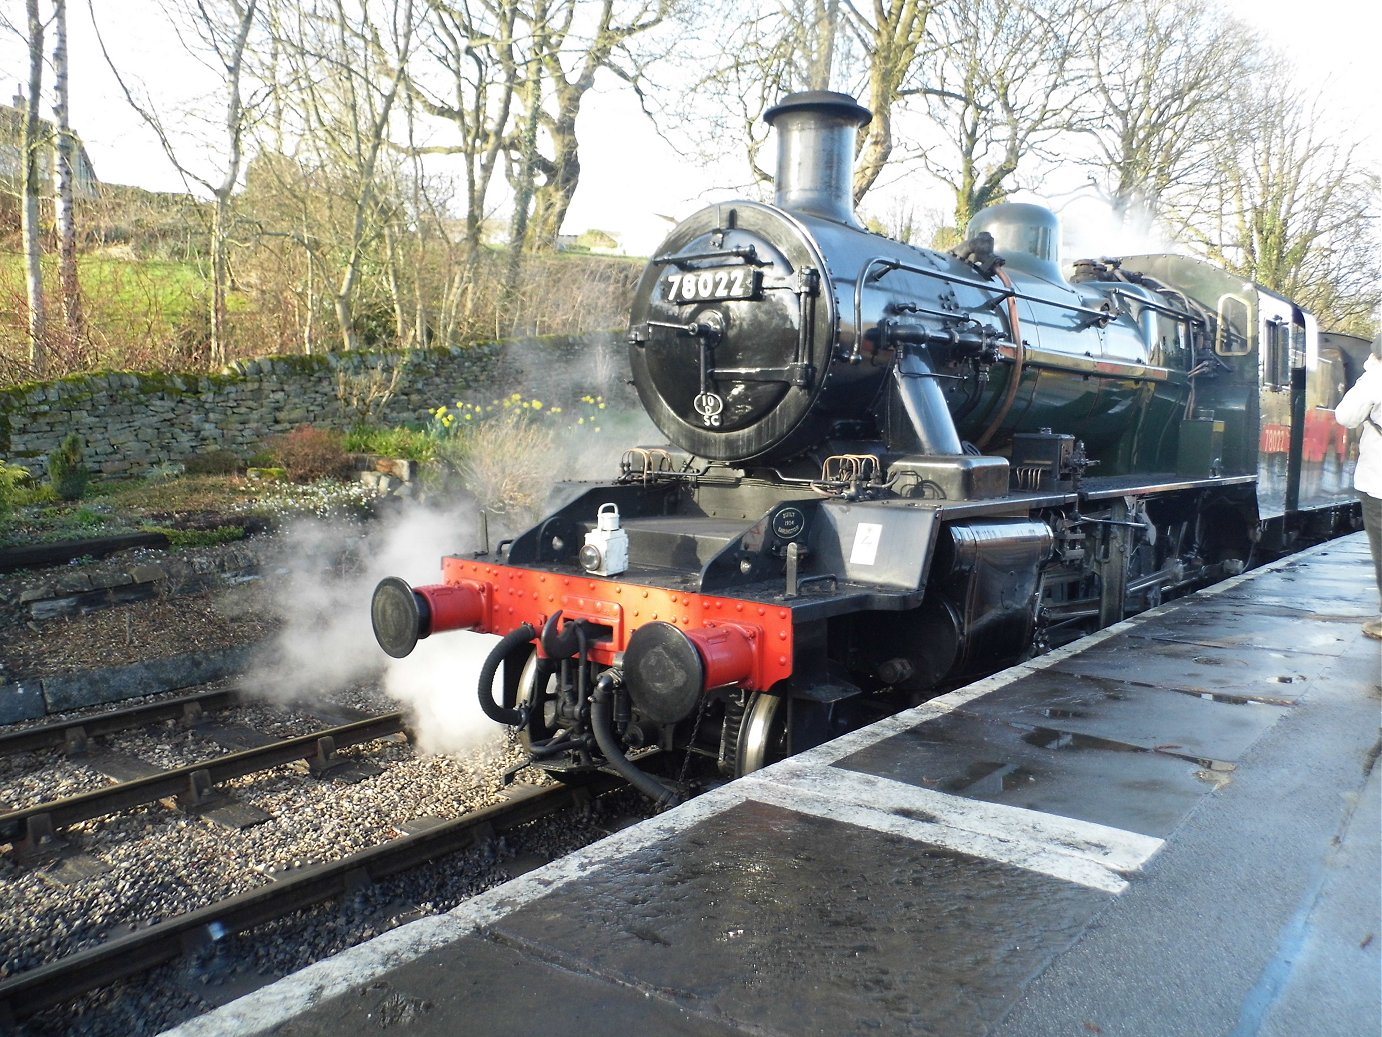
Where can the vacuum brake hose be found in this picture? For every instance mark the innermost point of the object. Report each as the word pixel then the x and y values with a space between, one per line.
pixel 519 636
pixel 600 722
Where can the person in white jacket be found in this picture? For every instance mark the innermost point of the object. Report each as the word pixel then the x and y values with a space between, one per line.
pixel 1362 406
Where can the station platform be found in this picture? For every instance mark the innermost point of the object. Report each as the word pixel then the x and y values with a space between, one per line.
pixel 1170 827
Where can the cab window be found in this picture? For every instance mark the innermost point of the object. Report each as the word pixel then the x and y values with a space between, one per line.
pixel 1231 335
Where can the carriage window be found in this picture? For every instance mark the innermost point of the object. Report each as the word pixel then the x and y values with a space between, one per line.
pixel 1231 335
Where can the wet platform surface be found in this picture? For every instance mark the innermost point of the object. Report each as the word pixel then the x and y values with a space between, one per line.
pixel 1169 828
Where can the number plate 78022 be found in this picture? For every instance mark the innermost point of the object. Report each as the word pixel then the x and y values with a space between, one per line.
pixel 734 282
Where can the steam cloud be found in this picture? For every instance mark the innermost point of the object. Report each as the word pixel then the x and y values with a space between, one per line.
pixel 325 574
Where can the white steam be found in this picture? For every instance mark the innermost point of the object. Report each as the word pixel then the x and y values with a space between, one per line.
pixel 325 574
pixel 1092 230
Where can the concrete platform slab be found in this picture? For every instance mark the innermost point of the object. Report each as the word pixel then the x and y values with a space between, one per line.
pixel 1225 621
pixel 1071 775
pixel 431 997
pixel 1200 729
pixel 1262 674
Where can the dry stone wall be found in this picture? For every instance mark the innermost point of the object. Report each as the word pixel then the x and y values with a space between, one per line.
pixel 132 423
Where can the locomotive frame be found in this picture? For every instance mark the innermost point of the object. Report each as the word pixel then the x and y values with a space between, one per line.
pixel 890 471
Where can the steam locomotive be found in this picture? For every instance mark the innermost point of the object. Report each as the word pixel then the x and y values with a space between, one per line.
pixel 890 470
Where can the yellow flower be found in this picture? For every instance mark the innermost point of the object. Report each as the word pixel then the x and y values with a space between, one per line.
pixel 536 405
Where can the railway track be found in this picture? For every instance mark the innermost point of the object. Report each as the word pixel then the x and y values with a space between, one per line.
pixel 73 733
pixel 137 952
pixel 35 827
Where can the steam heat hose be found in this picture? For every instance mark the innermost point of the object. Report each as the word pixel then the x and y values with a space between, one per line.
pixel 518 637
pixel 601 723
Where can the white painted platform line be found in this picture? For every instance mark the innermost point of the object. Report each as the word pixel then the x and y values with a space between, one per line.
pixel 264 1010
pixel 1065 848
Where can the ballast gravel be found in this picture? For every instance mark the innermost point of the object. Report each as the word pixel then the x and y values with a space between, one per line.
pixel 154 863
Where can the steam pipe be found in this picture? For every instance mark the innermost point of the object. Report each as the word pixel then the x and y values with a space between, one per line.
pixel 601 724
pixel 520 635
pixel 1019 359
pixel 922 400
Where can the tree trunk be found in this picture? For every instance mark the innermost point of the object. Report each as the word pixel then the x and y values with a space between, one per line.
pixel 67 211
pixel 220 220
pixel 523 199
pixel 31 145
pixel 220 275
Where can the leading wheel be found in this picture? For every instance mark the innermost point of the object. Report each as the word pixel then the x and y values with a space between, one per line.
pixel 537 692
pixel 763 733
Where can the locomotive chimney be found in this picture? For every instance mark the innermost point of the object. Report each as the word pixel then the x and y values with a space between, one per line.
pixel 815 152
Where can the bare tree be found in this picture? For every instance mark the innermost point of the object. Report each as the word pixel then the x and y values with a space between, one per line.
pixel 66 206
pixel 1000 91
pixel 894 38
pixel 221 30
pixel 1292 205
pixel 473 46
pixel 523 159
pixel 32 145
pixel 587 38
pixel 872 51
pixel 1158 70
pixel 346 78
pixel 516 73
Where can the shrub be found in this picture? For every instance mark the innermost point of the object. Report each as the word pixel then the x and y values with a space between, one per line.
pixel 308 453
pixel 87 520
pixel 213 537
pixel 213 462
pixel 12 481
pixel 165 471
pixel 367 390
pixel 507 461
pixel 67 472
pixel 388 441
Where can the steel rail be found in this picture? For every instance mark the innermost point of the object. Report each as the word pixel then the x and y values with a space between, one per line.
pixel 140 951
pixel 191 782
pixel 77 729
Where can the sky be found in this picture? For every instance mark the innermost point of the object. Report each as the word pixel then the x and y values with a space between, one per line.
pixel 631 178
